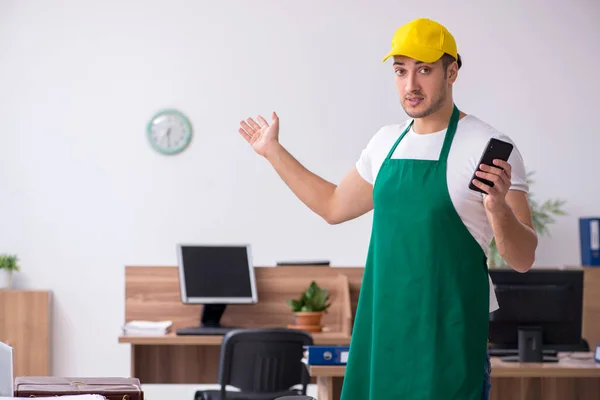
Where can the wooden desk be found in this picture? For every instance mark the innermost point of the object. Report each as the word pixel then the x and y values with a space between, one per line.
pixel 569 379
pixel 152 293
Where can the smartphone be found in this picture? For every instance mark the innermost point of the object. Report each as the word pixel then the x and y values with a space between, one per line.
pixel 495 149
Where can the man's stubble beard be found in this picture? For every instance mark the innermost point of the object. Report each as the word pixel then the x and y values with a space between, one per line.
pixel 437 104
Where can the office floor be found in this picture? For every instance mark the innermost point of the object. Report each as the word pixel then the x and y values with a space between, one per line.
pixel 186 392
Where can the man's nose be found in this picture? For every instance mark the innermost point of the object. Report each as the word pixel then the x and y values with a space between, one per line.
pixel 412 84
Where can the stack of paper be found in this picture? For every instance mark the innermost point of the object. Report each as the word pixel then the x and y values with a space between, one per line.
pixel 147 328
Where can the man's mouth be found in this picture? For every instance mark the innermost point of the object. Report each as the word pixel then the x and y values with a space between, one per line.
pixel 414 101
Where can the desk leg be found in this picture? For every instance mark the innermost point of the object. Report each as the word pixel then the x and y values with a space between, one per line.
pixel 324 388
pixel 133 371
pixel 329 388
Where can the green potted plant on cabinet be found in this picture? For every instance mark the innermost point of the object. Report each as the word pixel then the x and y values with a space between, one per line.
pixel 8 265
pixel 309 308
pixel 542 216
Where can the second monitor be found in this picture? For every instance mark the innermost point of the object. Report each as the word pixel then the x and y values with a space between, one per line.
pixel 215 276
pixel 543 303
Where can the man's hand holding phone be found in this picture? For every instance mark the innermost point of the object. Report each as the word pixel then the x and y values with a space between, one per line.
pixel 492 175
pixel 500 175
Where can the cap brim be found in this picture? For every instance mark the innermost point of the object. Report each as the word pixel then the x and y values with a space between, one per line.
pixel 423 54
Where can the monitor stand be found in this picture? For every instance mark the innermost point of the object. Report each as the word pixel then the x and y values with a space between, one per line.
pixel 530 347
pixel 516 359
pixel 210 322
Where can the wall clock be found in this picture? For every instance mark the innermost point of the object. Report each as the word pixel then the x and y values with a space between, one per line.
pixel 169 131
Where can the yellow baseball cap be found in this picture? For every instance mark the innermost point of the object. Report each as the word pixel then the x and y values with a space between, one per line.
pixel 424 40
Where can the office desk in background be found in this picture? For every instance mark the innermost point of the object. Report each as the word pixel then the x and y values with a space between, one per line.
pixel 569 379
pixel 152 293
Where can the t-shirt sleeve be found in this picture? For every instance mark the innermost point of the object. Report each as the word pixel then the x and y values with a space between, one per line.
pixel 364 164
pixel 517 167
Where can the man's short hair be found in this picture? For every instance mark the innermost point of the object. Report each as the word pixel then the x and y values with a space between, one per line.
pixel 447 59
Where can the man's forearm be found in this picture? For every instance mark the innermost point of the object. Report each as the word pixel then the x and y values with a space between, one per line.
pixel 315 192
pixel 516 242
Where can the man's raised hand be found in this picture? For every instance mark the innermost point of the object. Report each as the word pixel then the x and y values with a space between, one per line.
pixel 262 136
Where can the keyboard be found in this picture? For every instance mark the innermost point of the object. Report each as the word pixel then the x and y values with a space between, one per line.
pixel 200 330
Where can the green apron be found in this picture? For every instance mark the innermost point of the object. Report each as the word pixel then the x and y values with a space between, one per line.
pixel 421 325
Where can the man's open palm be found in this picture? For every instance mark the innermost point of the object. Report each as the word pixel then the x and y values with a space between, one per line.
pixel 261 135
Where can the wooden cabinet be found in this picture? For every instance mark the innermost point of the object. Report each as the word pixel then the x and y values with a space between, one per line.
pixel 591 306
pixel 25 326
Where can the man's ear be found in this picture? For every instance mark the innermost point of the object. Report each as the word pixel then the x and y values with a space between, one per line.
pixel 452 72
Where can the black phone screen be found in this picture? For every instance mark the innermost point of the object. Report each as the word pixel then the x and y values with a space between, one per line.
pixel 495 149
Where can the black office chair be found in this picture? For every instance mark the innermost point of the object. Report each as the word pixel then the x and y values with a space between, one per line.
pixel 263 364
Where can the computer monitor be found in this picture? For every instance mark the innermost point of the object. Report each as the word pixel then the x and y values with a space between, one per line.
pixel 548 299
pixel 215 276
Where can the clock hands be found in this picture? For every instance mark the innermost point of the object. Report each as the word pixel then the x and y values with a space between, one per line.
pixel 168 137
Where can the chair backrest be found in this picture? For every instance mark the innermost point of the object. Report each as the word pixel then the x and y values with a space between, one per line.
pixel 264 360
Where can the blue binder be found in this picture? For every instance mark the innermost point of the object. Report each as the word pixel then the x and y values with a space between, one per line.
pixel 589 237
pixel 326 355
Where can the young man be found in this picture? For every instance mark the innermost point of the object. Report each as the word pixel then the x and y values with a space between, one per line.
pixel 420 330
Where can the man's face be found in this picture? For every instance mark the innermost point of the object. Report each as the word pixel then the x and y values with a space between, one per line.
pixel 423 87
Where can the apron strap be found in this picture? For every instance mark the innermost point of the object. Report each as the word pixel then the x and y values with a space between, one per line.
pixel 399 139
pixel 449 135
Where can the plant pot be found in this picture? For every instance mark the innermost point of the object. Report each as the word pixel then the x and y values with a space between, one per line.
pixel 5 279
pixel 307 321
pixel 308 318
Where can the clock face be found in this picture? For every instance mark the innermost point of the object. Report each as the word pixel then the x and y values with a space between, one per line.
pixel 169 132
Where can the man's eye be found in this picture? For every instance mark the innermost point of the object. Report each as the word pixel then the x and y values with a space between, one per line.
pixel 424 70
pixel 399 72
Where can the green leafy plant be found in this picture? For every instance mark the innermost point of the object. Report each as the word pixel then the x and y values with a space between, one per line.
pixel 313 299
pixel 9 262
pixel 542 215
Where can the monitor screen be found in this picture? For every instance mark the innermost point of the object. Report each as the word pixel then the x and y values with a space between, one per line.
pixel 551 299
pixel 221 274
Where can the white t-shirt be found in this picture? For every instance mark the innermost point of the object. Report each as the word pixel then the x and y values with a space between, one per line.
pixel 470 140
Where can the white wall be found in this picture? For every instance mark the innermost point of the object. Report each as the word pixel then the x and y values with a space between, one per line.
pixel 83 194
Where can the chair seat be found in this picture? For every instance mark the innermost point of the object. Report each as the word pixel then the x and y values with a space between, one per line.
pixel 231 395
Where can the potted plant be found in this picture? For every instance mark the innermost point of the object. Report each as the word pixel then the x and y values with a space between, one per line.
pixel 8 265
pixel 542 217
pixel 309 308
